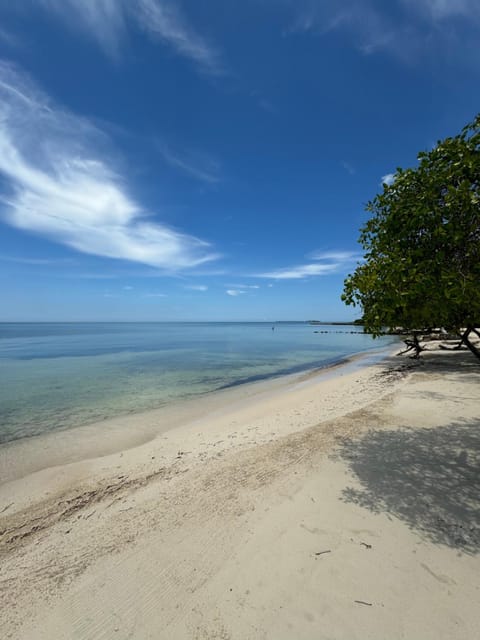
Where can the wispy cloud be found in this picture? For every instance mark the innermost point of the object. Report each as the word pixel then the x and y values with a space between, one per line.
pixel 200 166
pixel 88 276
pixel 368 27
pixel 299 271
pixel 208 272
pixel 234 292
pixel 38 262
pixel 8 38
pixel 440 9
pixel 155 295
pixel 339 257
pixel 349 168
pixel 101 19
pixel 326 263
pixel 415 28
pixel 61 184
pixel 244 286
pixel 108 20
pixel 196 287
pixel 163 20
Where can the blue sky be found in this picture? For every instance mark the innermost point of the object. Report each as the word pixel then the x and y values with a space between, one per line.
pixel 167 160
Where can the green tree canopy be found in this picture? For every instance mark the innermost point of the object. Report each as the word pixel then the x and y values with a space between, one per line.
pixel 422 243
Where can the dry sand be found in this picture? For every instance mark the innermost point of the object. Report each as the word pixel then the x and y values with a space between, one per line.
pixel 318 508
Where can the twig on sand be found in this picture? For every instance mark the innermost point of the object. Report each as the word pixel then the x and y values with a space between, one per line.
pixel 320 553
pixel 368 604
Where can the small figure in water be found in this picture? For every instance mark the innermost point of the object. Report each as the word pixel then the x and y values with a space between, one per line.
pixel 273 328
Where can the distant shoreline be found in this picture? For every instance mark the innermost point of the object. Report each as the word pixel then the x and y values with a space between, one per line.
pixel 267 322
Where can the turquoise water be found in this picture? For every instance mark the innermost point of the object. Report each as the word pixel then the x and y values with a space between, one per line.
pixel 56 376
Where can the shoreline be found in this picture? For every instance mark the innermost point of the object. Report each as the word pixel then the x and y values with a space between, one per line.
pixel 121 433
pixel 40 475
pixel 270 517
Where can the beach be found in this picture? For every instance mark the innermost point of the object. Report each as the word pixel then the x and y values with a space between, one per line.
pixel 330 504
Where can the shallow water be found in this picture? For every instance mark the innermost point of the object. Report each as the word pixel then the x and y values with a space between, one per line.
pixel 61 375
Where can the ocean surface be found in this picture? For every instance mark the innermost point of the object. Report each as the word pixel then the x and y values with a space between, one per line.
pixel 61 375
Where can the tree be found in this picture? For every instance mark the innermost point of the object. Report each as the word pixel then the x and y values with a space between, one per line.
pixel 421 246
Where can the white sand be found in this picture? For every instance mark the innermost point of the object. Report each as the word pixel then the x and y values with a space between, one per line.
pixel 212 529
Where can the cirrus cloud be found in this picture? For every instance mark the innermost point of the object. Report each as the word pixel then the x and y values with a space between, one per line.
pixel 196 287
pixel 195 164
pixel 107 21
pixel 60 182
pixel 418 27
pixel 326 263
pixel 300 271
pixel 244 286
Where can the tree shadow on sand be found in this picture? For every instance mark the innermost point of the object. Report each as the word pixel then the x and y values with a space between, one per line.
pixel 429 478
pixel 461 365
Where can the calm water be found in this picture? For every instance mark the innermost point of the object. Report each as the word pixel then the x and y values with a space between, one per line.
pixel 56 376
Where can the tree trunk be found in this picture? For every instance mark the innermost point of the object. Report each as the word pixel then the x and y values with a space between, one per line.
pixel 413 345
pixel 470 345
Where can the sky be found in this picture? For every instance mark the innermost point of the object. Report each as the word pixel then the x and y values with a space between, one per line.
pixel 181 160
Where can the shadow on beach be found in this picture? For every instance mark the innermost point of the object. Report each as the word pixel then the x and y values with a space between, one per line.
pixel 429 478
pixel 461 364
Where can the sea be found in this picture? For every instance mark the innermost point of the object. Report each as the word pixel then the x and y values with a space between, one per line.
pixel 56 376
